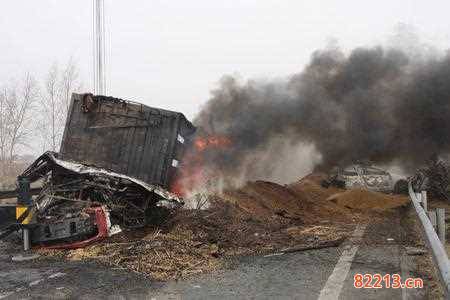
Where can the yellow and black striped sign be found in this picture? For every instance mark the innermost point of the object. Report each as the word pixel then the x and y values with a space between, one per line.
pixel 23 214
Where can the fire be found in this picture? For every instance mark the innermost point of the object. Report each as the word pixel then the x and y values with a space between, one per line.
pixel 193 173
pixel 211 142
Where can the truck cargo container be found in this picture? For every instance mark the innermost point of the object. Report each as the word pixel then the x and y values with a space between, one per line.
pixel 126 137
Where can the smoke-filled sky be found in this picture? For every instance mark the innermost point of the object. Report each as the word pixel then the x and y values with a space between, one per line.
pixel 384 105
pixel 172 53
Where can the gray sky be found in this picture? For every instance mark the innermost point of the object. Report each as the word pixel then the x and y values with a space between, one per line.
pixel 170 54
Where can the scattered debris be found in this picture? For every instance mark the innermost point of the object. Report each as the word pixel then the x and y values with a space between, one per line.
pixel 258 218
pixel 321 245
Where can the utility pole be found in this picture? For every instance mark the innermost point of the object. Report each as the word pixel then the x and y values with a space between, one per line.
pixel 98 12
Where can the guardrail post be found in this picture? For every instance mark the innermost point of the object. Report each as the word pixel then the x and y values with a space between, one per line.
pixel 26 239
pixel 440 216
pixel 424 200
pixel 23 214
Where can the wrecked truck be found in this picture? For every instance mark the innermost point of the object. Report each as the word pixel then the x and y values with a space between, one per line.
pixel 114 170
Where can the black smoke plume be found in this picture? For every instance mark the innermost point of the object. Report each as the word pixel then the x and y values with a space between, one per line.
pixel 373 105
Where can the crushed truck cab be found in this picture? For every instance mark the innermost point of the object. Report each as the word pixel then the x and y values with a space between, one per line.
pixel 117 161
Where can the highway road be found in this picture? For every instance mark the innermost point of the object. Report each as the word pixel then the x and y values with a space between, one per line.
pixel 376 247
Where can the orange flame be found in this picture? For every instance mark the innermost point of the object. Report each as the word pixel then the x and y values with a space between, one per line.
pixel 211 142
pixel 192 173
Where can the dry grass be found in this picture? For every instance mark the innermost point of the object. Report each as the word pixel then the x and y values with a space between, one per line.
pixel 166 256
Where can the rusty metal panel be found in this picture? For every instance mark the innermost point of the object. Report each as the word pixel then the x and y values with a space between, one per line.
pixel 125 137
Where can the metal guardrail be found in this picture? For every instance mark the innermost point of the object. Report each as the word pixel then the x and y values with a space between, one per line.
pixel 439 254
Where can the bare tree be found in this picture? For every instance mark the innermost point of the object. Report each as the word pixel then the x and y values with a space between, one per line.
pixel 55 101
pixel 20 116
pixel 16 104
pixel 69 82
pixel 3 126
pixel 50 109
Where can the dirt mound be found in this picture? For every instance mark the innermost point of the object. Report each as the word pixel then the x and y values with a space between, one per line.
pixel 316 196
pixel 343 200
pixel 367 200
pixel 263 200
pixel 304 200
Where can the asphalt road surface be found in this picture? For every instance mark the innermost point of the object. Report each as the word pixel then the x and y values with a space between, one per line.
pixel 315 274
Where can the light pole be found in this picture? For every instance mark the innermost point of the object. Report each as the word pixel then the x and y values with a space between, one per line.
pixel 98 12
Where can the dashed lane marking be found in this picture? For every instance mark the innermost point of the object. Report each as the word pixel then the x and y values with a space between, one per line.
pixel 335 282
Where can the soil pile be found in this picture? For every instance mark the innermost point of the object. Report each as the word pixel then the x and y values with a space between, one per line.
pixel 266 200
pixel 366 200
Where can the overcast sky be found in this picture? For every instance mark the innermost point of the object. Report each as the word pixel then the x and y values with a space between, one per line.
pixel 170 54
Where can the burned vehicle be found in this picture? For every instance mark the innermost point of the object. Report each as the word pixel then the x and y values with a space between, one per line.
pixel 116 164
pixel 363 176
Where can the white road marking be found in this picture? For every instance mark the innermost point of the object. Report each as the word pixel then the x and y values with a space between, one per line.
pixel 335 282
